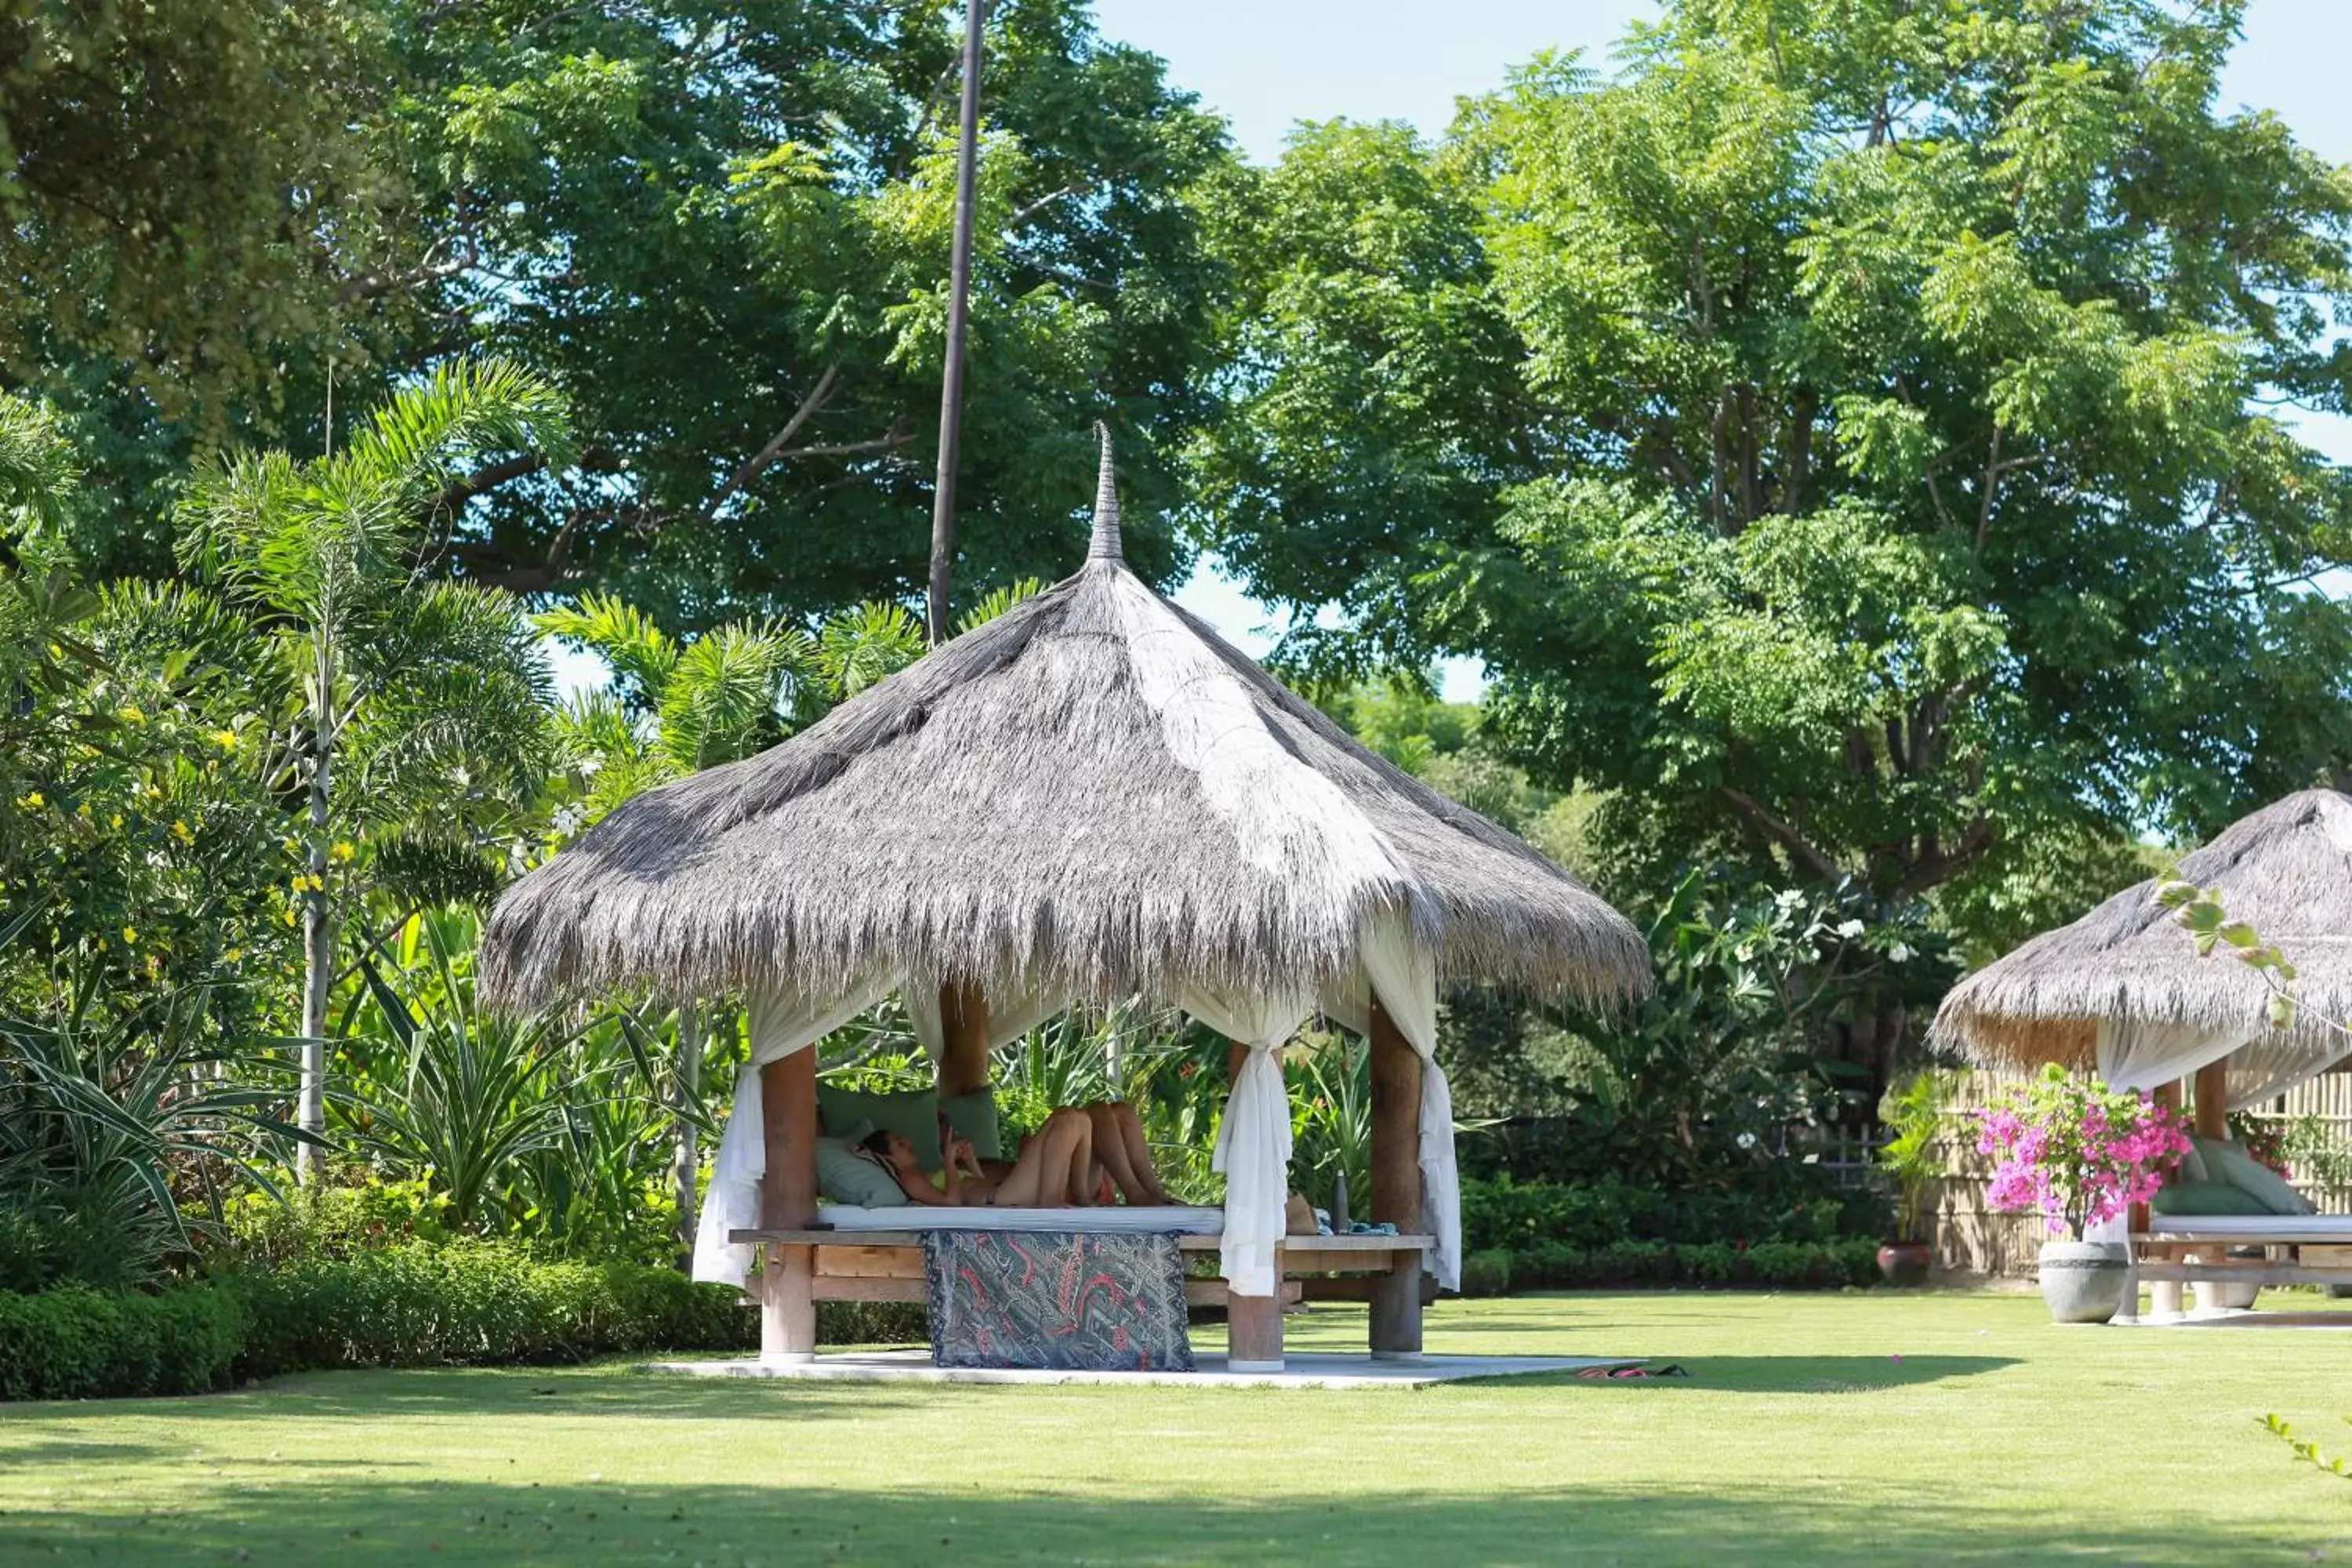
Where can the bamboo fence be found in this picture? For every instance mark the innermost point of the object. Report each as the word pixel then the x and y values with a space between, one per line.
pixel 1971 1236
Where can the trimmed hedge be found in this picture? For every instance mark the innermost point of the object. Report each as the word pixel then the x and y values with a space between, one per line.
pixel 469 1303
pixel 1544 1235
pixel 74 1343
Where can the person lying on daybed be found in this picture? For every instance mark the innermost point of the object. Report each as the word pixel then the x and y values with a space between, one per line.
pixel 1082 1156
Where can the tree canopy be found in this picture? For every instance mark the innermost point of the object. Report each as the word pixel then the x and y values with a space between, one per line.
pixel 1850 434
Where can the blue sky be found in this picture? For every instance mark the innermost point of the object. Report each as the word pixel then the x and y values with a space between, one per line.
pixel 1266 65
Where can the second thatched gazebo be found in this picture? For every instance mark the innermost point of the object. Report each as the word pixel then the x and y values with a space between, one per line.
pixel 2123 991
pixel 1090 797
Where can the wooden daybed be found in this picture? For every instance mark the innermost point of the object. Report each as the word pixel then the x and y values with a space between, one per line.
pixel 2297 1250
pixel 877 1261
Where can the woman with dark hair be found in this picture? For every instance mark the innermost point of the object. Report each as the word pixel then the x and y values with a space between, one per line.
pixel 1083 1156
pixel 1056 1168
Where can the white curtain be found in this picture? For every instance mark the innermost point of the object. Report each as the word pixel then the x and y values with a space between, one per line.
pixel 1404 975
pixel 779 1025
pixel 1253 1139
pixel 2138 1054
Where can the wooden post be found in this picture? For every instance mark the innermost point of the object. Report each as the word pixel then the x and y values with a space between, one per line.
pixel 2163 1295
pixel 963 1038
pixel 1253 1328
pixel 2212 1108
pixel 1396 1071
pixel 788 1201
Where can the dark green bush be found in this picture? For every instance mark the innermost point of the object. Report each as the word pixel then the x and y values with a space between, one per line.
pixel 872 1323
pixel 80 1343
pixel 476 1303
pixel 1487 1272
pixel 1609 1233
pixel 408 1305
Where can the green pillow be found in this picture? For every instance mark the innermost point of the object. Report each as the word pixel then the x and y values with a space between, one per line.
pixel 2233 1164
pixel 913 1114
pixel 973 1115
pixel 846 1176
pixel 2214 1198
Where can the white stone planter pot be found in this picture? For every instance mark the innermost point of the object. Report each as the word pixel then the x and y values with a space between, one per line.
pixel 2084 1281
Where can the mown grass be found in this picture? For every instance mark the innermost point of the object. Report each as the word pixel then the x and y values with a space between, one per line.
pixel 1858 1429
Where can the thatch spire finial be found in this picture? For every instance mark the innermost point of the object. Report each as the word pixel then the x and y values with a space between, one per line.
pixel 1106 545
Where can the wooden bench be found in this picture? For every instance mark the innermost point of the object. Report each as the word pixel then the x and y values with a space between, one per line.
pixel 807 1266
pixel 2316 1254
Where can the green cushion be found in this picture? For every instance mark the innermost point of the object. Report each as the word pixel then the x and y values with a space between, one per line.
pixel 2205 1198
pixel 846 1176
pixel 913 1114
pixel 973 1115
pixel 2228 1163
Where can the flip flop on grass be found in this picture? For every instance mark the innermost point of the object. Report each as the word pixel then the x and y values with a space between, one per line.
pixel 1621 1373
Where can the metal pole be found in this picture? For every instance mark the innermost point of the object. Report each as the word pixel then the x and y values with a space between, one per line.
pixel 959 299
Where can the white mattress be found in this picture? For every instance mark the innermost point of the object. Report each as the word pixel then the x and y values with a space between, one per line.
pixel 919 1216
pixel 2254 1227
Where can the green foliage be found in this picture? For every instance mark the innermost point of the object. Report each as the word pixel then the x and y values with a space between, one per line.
pixel 1701 1084
pixel 408 1304
pixel 1544 1235
pixel 1817 431
pixel 1913 1117
pixel 75 1343
pixel 546 1127
pixel 188 193
pixel 2305 1450
pixel 474 1303
pixel 1487 1272
pixel 106 1119
pixel 728 243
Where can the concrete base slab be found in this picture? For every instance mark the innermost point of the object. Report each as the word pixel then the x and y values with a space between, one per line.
pixel 1300 1370
pixel 2237 1318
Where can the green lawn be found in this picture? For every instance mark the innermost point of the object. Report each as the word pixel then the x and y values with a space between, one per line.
pixel 1837 1429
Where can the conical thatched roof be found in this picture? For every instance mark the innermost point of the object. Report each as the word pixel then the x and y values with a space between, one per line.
pixel 2287 869
pixel 1092 793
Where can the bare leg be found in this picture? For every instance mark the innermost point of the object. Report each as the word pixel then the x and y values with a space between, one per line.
pixel 1120 1148
pixel 1054 1163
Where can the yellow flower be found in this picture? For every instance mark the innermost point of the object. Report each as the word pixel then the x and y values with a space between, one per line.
pixel 180 831
pixel 82 811
pixel 342 852
pixel 30 801
pixel 115 821
pixel 290 917
pixel 129 937
pixel 231 955
pixel 130 715
pixel 225 739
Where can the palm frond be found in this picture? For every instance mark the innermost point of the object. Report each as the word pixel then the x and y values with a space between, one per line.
pixel 622 635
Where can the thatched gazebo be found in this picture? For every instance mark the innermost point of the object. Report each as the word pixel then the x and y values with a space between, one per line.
pixel 2123 991
pixel 1090 797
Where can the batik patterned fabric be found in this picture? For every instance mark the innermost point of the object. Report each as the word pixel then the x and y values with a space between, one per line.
pixel 1061 1300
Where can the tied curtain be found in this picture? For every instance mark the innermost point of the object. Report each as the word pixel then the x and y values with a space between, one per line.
pixel 1254 1137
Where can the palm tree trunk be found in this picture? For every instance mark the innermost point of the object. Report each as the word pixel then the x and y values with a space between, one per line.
pixel 685 1162
pixel 318 931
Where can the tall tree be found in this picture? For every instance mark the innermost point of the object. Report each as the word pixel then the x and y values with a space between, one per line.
pixel 180 189
pixel 413 693
pixel 1856 447
pixel 724 231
